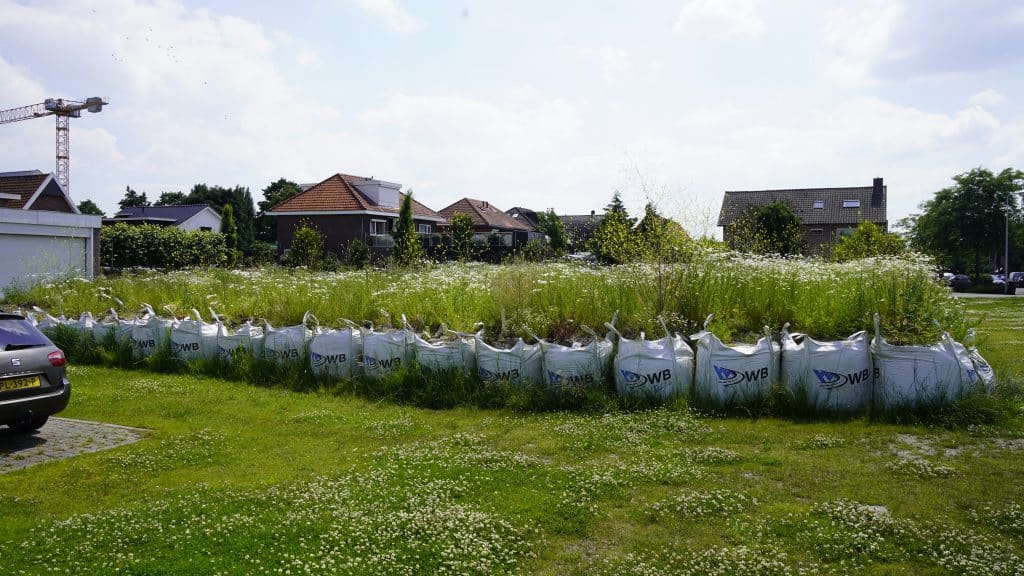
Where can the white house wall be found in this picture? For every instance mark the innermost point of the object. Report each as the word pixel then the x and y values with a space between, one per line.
pixel 206 218
pixel 35 245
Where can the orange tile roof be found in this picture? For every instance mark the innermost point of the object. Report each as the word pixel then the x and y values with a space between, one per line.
pixel 337 193
pixel 24 186
pixel 485 214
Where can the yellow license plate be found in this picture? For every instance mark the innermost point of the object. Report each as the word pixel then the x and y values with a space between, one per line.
pixel 19 383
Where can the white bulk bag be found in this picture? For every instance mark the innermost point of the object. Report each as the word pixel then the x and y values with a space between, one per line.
pixel 576 366
pixel 734 375
pixel 386 352
pixel 653 368
pixel 335 353
pixel 192 338
pixel 48 322
pixel 911 376
pixel 83 325
pixel 440 356
pixel 287 344
pixel 112 325
pixel 149 332
pixel 517 365
pixel 246 339
pixel 986 376
pixel 834 376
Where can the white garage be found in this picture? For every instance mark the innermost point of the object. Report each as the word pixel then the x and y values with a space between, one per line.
pixel 42 235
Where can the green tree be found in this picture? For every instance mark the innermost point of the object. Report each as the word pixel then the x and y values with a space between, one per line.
pixel 133 199
pixel 408 249
pixel 769 229
pixel 170 199
pixel 274 194
pixel 614 240
pixel 963 224
pixel 230 232
pixel 868 240
pixel 553 227
pixel 307 247
pixel 87 206
pixel 242 205
pixel 462 236
pixel 662 239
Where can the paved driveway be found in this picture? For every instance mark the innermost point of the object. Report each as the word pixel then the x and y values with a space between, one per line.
pixel 61 438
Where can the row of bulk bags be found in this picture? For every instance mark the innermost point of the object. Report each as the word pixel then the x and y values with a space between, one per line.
pixel 659 369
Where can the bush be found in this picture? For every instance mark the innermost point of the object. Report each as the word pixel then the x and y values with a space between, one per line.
pixel 356 254
pixel 151 246
pixel 307 248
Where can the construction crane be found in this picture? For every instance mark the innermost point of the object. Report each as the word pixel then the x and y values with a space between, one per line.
pixel 64 110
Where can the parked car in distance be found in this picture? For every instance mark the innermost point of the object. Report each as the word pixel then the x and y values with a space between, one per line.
pixel 960 282
pixel 33 378
pixel 1017 278
pixel 998 279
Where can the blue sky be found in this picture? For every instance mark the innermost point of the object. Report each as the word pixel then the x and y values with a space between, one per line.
pixel 539 104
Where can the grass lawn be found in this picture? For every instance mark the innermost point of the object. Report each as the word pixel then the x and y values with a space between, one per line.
pixel 235 479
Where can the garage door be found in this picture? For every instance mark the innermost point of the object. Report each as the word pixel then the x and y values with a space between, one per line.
pixel 26 259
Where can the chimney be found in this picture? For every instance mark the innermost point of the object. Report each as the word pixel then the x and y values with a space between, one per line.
pixel 591 213
pixel 877 190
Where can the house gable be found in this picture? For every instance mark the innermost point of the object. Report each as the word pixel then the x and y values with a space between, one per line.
pixel 485 216
pixel 34 190
pixel 339 195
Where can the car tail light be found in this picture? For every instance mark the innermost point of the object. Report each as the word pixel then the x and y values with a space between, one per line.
pixel 56 358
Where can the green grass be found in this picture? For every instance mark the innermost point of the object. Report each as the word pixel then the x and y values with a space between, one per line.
pixel 237 479
pixel 745 293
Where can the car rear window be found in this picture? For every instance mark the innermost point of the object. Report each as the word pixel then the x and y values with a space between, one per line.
pixel 17 333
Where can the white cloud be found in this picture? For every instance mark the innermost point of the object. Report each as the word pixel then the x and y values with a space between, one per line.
pixel 397 18
pixel 614 61
pixel 721 18
pixel 858 38
pixel 988 98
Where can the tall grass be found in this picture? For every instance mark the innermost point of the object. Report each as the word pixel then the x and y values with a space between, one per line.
pixel 821 299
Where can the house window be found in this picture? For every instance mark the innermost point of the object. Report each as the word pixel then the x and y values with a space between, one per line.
pixel 844 232
pixel 851 203
pixel 206 229
pixel 817 232
pixel 819 204
pixel 378 227
pixel 423 228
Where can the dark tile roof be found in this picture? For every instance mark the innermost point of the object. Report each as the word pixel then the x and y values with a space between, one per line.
pixel 485 214
pixel 802 202
pixel 582 221
pixel 175 214
pixel 22 184
pixel 527 215
pixel 337 193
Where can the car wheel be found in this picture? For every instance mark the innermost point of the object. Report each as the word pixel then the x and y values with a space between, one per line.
pixel 30 425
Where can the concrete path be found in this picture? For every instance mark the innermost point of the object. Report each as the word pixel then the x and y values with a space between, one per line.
pixel 61 438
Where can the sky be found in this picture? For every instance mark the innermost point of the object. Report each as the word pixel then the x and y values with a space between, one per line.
pixel 522 103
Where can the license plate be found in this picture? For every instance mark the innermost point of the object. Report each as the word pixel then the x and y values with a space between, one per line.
pixel 19 383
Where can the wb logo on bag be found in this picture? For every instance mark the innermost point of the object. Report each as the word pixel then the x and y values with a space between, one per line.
pixel 384 363
pixel 556 378
pixel 326 359
pixel 180 347
pixel 727 377
pixel 656 379
pixel 488 376
pixel 831 381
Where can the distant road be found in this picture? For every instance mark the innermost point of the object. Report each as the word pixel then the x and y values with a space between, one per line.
pixel 1019 294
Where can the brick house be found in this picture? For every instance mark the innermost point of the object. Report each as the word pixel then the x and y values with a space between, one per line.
pixel 345 208
pixel 490 221
pixel 825 214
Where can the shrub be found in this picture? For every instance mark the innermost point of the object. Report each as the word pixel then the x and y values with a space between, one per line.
pixel 356 254
pixel 151 246
pixel 307 247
